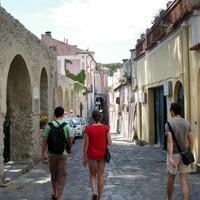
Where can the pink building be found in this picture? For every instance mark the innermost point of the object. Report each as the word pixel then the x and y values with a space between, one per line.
pixel 74 59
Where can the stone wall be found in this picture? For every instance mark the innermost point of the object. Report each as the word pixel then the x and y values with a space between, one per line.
pixel 23 58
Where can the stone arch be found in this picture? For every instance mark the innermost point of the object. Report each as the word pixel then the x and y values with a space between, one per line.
pixel 43 94
pixel 81 109
pixel 60 96
pixel 18 119
pixel 99 103
pixel 66 105
pixel 179 95
pixel 73 101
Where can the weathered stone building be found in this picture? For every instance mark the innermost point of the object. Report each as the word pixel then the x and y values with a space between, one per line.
pixel 101 92
pixel 26 90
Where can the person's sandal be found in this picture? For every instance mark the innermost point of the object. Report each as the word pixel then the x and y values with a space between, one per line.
pixel 53 197
pixel 94 197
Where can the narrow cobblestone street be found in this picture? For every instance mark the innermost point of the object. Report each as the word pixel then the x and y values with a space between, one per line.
pixel 135 173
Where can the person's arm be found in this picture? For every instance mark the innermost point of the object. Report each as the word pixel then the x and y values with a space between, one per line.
pixel 44 143
pixel 109 140
pixel 44 146
pixel 69 136
pixel 170 150
pixel 190 141
pixel 85 149
pixel 108 136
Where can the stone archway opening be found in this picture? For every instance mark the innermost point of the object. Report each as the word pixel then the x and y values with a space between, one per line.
pixel 60 96
pixel 66 106
pixel 18 120
pixel 43 98
pixel 73 102
pixel 100 105
pixel 179 96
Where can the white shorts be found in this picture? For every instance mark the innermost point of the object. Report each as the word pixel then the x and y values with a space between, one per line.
pixel 181 168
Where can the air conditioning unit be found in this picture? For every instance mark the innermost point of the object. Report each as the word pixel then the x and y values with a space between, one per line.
pixel 142 97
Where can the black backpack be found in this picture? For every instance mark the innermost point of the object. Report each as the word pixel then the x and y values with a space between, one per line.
pixel 57 141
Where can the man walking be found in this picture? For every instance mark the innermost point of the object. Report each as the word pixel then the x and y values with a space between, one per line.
pixel 56 135
pixel 183 134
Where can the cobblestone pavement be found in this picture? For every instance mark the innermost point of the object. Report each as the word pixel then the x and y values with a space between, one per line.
pixel 135 173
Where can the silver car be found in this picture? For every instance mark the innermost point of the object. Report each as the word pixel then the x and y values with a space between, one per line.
pixel 84 123
pixel 70 124
pixel 77 127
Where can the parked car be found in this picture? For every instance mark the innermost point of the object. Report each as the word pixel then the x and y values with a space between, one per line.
pixel 70 124
pixel 84 123
pixel 77 126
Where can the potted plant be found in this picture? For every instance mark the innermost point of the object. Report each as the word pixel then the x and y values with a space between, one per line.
pixel 43 121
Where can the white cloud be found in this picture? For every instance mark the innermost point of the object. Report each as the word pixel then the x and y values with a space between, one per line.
pixel 39 14
pixel 104 20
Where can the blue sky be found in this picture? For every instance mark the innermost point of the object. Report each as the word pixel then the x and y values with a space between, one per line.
pixel 108 27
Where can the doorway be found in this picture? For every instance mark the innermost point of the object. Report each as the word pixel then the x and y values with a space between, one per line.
pixel 160 111
pixel 18 119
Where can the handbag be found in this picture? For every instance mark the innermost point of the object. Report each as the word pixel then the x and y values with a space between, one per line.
pixel 187 156
pixel 107 153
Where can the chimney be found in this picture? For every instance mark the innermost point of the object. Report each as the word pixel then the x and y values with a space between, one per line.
pixel 48 33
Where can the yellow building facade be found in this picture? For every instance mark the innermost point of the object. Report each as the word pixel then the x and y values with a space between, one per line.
pixel 170 72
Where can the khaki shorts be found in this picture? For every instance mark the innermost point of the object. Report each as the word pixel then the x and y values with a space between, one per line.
pixel 58 169
pixel 181 168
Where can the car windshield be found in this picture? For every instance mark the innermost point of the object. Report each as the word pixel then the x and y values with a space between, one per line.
pixel 76 121
pixel 67 121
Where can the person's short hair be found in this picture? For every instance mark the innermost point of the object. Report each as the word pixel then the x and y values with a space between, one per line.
pixel 59 111
pixel 96 115
pixel 176 108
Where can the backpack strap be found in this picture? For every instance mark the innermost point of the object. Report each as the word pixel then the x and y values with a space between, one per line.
pixel 51 125
pixel 62 125
pixel 174 137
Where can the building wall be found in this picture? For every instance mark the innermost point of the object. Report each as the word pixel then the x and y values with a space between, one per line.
pixel 163 63
pixel 194 76
pixel 23 57
pixel 74 68
pixel 176 59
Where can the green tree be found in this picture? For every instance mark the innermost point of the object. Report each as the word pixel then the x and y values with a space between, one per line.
pixel 112 67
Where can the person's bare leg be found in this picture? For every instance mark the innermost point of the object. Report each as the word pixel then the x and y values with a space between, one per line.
pixel 100 174
pixel 185 187
pixel 170 186
pixel 93 174
pixel 60 189
pixel 55 190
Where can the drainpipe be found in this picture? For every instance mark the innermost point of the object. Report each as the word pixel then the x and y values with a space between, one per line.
pixel 186 69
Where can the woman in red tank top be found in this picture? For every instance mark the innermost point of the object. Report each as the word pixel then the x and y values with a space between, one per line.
pixel 97 138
